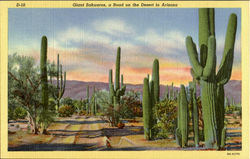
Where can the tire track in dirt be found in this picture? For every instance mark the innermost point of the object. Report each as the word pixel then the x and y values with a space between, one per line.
pixel 65 135
pixel 87 131
pixel 92 133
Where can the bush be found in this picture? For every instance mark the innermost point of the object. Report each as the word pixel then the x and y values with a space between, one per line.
pixel 19 113
pixel 130 106
pixel 83 112
pixel 66 111
pixel 67 101
pixel 11 114
pixel 231 109
pixel 166 114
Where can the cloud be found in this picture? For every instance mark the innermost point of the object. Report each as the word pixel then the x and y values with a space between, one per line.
pixel 88 53
pixel 114 27
pixel 76 37
pixel 168 42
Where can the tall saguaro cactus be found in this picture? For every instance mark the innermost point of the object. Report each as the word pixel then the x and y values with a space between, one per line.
pixel 60 83
pixel 147 109
pixel 156 80
pixel 212 84
pixel 182 127
pixel 116 91
pixel 44 77
pixel 154 87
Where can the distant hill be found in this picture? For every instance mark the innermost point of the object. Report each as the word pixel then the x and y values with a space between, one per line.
pixel 77 89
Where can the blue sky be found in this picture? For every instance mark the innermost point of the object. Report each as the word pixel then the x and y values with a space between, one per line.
pixel 87 39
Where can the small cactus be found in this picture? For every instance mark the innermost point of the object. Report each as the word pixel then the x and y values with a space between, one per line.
pixel 195 115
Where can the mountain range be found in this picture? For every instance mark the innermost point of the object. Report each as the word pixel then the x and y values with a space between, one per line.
pixel 77 89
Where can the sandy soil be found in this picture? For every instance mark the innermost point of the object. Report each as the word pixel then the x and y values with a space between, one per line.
pixel 79 133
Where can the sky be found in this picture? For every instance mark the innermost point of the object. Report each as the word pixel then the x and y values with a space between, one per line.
pixel 87 40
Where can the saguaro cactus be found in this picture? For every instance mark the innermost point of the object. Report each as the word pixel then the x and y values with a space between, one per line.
pixel 156 80
pixel 212 84
pixel 147 109
pixel 43 69
pixel 44 79
pixel 167 92
pixel 61 83
pixel 171 92
pixel 87 108
pixel 93 102
pixel 182 129
pixel 116 92
pixel 195 115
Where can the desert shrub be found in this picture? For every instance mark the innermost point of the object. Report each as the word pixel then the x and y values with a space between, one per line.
pixel 67 101
pixel 232 108
pixel 11 114
pixel 102 100
pixel 83 112
pixel 20 113
pixel 78 104
pixel 166 114
pixel 130 106
pixel 66 111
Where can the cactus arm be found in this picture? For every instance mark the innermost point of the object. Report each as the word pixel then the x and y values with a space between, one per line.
pixel 64 84
pixel 194 75
pixel 225 69
pixel 193 57
pixel 110 76
pixel 117 69
pixel 121 80
pixel 209 69
pixel 111 87
pixel 211 22
pixel 61 77
pixel 121 92
pixel 123 89
pixel 57 75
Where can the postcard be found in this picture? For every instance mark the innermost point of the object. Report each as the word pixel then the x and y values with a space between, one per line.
pixel 124 79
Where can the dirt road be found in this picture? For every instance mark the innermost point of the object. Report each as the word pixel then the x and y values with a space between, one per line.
pixel 81 133
pixel 75 134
